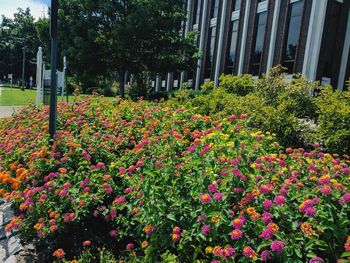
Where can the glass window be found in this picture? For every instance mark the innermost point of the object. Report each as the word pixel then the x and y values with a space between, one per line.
pixel 236 5
pixel 255 62
pixel 230 59
pixel 332 35
pixel 294 20
pixel 210 53
pixel 214 8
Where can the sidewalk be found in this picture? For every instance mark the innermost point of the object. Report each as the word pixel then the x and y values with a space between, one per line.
pixel 7 111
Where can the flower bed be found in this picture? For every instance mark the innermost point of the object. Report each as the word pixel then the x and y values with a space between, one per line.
pixel 152 183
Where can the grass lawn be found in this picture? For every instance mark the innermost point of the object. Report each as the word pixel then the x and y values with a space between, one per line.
pixel 16 97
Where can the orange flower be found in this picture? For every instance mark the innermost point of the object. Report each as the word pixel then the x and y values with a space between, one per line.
pixel 59 253
pixel 307 229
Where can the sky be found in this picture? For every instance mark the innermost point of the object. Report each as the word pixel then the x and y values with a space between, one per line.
pixel 9 7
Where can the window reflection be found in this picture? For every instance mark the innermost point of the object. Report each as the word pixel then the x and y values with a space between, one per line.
pixel 258 44
pixel 210 53
pixel 292 39
pixel 230 61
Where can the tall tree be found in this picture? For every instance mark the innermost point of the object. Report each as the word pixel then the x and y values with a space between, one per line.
pixel 109 38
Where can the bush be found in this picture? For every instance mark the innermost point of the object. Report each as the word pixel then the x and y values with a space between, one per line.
pixel 334 120
pixel 154 183
pixel 240 85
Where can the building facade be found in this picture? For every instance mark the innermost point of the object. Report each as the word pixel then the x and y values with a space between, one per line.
pixel 250 36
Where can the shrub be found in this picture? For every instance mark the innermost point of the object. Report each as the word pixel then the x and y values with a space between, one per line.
pixel 240 85
pixel 334 119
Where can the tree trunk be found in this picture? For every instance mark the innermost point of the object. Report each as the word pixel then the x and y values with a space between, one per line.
pixel 122 84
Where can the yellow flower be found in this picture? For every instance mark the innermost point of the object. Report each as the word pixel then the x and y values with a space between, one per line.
pixel 215 219
pixel 144 244
pixel 208 250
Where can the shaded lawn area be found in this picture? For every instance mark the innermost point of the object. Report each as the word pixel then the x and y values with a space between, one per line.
pixel 16 97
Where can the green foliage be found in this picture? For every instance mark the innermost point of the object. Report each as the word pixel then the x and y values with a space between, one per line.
pixel 208 86
pixel 240 85
pixel 334 119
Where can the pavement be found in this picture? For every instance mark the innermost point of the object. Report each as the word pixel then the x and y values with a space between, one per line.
pixel 7 111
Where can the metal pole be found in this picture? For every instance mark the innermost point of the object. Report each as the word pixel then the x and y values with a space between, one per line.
pixel 53 90
pixel 23 66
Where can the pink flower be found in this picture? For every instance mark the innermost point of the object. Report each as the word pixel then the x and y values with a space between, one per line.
pixel 205 198
pixel 316 260
pixel 279 200
pixel 130 246
pixel 267 204
pixel 266 217
pixel 310 211
pixel 122 170
pixel 236 234
pixel 265 255
pixel 212 188
pixel 63 193
pixel 237 223
pixel 229 252
pixel 345 199
pixel 277 246
pixel 266 234
pixel 67 185
pixel 113 233
pixel 326 190
pixel 218 196
pixel 206 230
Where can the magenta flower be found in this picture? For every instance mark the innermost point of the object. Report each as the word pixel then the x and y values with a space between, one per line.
pixel 236 234
pixel 277 246
pixel 310 211
pixel 218 196
pixel 279 200
pixel 265 255
pixel 205 198
pixel 130 246
pixel 267 204
pixel 206 230
pixel 316 260
pixel 212 188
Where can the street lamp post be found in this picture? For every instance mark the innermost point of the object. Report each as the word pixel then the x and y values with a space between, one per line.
pixel 23 67
pixel 53 90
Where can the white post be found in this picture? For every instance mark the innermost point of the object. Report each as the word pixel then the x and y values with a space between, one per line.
pixel 276 13
pixel 314 38
pixel 201 43
pixel 64 77
pixel 169 80
pixel 39 77
pixel 244 37
pixel 157 89
pixel 220 44
pixel 345 57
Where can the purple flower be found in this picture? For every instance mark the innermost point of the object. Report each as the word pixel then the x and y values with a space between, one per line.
pixel 206 230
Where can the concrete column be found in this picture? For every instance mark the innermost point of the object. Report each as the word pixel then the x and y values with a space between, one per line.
pixel 201 43
pixel 157 89
pixel 244 37
pixel 276 13
pixel 169 82
pixel 345 57
pixel 220 44
pixel 314 38
pixel 187 28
